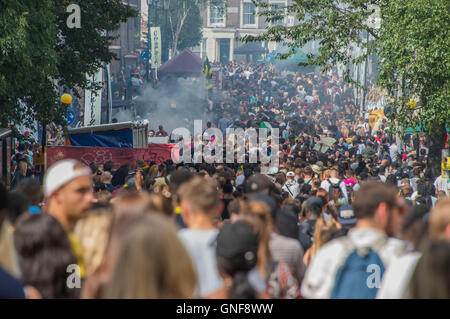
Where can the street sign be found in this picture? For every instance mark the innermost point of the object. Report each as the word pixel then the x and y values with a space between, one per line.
pixel 70 116
pixel 146 55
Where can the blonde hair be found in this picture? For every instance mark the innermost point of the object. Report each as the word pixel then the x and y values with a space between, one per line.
pixel 153 171
pixel 440 219
pixel 103 196
pixel 161 204
pixel 322 233
pixel 201 195
pixel 326 174
pixel 161 188
pixel 406 191
pixel 152 263
pixel 126 208
pixel 257 214
pixel 8 255
pixel 93 233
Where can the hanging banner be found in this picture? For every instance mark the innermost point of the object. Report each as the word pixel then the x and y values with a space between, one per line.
pixel 156 47
pixel 93 100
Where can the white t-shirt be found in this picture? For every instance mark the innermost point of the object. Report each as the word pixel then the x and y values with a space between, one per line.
pixel 326 185
pixel 201 248
pixel 292 188
pixel 321 274
pixel 309 99
pixel 397 276
pixel 393 152
pixel 442 184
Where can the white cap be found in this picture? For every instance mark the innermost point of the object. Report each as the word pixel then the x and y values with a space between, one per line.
pixel 290 174
pixel 61 173
pixel 316 168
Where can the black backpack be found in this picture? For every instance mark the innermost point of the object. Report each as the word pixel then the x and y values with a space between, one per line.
pixel 333 187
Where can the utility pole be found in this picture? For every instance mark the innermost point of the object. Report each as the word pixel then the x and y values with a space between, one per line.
pixel 365 73
pixel 147 73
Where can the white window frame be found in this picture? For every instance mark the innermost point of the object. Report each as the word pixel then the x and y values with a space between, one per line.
pixel 284 21
pixel 254 25
pixel 217 25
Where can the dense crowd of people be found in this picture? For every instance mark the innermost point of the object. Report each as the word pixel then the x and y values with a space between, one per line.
pixel 352 210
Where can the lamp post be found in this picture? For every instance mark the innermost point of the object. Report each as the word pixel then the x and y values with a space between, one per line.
pixel 365 75
pixel 149 42
pixel 166 13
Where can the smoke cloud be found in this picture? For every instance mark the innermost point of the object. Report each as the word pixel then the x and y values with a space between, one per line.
pixel 176 102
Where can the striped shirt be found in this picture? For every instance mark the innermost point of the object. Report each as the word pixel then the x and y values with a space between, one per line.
pixel 289 251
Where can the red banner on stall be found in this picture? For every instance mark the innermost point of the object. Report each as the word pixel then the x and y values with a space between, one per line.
pixel 157 153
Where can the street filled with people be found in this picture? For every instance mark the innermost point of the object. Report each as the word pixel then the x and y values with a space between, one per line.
pixel 352 210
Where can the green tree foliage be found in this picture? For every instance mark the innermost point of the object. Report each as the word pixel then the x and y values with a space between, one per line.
pixel 181 14
pixel 338 26
pixel 415 61
pixel 191 34
pixel 182 24
pixel 38 51
pixel 411 42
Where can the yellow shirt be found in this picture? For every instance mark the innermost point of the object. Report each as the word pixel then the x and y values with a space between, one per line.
pixel 77 250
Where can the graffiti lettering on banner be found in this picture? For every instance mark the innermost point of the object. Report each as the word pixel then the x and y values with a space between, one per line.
pixel 157 153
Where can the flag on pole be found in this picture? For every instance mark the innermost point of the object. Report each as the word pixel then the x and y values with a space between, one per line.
pixel 207 70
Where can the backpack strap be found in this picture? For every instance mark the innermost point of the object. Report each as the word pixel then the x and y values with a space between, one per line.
pixel 289 190
pixel 333 184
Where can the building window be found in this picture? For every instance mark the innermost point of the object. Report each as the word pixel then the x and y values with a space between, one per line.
pixel 248 13
pixel 204 47
pixel 278 8
pixel 216 14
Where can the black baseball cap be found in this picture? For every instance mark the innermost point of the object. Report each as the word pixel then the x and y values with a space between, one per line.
pixel 258 183
pixel 238 243
pixel 314 202
pixel 286 223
